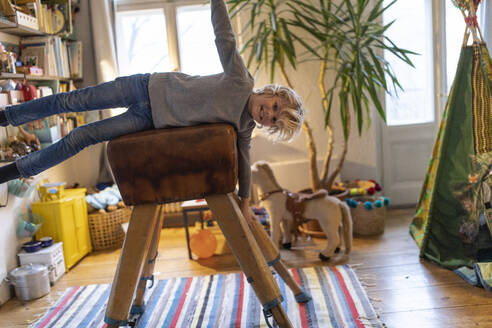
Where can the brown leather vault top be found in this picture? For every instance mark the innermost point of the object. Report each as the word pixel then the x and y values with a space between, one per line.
pixel 169 165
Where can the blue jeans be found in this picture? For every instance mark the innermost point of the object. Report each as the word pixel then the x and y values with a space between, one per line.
pixel 130 92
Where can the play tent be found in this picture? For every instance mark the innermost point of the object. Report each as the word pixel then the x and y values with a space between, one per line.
pixel 453 222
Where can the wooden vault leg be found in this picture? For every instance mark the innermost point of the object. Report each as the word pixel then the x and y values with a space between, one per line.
pixel 272 256
pixel 128 271
pixel 138 306
pixel 248 254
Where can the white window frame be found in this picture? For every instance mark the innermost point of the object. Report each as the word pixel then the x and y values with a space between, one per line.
pixel 169 8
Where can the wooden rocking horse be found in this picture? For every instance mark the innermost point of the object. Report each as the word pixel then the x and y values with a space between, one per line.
pixel 293 209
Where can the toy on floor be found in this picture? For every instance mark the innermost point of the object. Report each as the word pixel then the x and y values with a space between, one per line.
pixel 108 199
pixel 203 244
pixel 330 212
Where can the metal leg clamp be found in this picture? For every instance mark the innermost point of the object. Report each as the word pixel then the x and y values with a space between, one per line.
pixel 151 278
pixel 274 261
pixel 114 322
pixel 268 314
pixel 153 260
pixel 137 309
pixel 268 306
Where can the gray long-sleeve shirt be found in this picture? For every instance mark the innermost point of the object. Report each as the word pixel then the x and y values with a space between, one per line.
pixel 180 100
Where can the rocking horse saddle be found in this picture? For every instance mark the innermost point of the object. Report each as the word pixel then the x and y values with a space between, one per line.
pixel 296 203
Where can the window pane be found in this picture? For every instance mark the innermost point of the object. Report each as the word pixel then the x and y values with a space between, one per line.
pixel 455 28
pixel 197 51
pixel 142 42
pixel 415 104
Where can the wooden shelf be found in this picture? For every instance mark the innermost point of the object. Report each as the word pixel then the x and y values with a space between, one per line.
pixel 4 75
pixel 45 78
pixel 20 76
pixel 7 26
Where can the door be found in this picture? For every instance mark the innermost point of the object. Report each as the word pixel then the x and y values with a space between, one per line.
pixel 414 114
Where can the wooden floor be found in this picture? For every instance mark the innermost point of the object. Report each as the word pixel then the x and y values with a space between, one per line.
pixel 406 291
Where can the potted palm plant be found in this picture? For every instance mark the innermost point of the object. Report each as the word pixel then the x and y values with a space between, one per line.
pixel 346 38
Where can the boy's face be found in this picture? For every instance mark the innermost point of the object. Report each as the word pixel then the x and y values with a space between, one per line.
pixel 264 109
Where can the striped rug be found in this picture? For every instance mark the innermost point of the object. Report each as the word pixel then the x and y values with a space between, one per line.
pixel 226 300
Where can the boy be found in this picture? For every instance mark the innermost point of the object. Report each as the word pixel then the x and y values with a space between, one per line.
pixel 165 100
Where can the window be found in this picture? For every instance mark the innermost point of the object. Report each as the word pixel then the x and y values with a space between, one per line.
pixel 197 51
pixel 455 27
pixel 155 37
pixel 416 104
pixel 141 42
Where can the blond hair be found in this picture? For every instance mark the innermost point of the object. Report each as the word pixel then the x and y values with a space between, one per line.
pixel 291 114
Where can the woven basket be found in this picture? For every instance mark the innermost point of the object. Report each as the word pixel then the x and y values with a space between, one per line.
pixel 367 222
pixel 106 231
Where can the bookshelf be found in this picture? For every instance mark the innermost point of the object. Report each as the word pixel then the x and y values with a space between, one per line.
pixel 19 37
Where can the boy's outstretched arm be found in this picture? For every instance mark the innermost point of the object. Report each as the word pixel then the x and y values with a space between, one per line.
pixel 235 69
pixel 225 40
pixel 246 210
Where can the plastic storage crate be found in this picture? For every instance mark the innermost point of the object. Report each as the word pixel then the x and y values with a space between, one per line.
pixel 65 220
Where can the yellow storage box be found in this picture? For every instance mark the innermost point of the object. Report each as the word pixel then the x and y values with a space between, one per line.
pixel 65 220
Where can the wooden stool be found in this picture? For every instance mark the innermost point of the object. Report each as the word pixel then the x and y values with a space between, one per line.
pixel 169 165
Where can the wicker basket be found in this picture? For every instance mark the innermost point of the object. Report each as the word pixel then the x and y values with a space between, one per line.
pixel 106 231
pixel 367 222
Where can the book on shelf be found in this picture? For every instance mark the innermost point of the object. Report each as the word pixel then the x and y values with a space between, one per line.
pixel 47 19
pixel 58 59
pixel 75 59
pixel 47 43
pixel 41 16
pixel 54 57
pixel 45 91
pixel 35 55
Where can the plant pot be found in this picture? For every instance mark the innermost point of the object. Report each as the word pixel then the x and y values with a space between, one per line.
pixel 312 227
